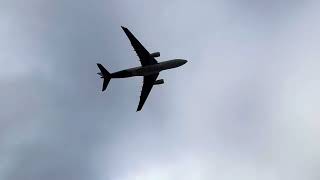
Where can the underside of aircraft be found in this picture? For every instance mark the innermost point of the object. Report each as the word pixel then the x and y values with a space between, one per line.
pixel 149 69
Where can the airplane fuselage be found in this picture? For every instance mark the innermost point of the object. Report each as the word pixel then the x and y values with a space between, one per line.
pixel 149 69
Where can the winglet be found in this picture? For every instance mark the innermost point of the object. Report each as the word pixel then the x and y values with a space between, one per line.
pixel 126 30
pixel 139 108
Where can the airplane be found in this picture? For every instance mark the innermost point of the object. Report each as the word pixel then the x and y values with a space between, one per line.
pixel 149 69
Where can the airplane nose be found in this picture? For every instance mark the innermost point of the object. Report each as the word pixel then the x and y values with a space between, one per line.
pixel 182 61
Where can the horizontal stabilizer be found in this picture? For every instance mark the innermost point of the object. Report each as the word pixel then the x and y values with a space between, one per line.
pixel 105 75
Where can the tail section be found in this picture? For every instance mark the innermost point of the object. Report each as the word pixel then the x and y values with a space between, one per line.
pixel 105 75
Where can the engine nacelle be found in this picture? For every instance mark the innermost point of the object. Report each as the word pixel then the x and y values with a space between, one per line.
pixel 159 81
pixel 155 54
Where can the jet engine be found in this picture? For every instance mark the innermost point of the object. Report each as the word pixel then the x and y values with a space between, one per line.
pixel 159 81
pixel 155 54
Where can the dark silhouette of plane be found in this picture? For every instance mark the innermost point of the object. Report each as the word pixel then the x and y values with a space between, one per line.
pixel 149 69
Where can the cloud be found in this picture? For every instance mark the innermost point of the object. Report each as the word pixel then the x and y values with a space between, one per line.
pixel 243 106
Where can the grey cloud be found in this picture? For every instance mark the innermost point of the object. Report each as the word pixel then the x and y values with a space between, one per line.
pixel 225 114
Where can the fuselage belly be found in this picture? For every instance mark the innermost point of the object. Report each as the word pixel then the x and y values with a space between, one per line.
pixel 148 70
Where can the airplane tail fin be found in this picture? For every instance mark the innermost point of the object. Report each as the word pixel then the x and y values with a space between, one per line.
pixel 105 75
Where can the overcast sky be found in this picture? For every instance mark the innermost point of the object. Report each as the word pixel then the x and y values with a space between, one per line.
pixel 245 106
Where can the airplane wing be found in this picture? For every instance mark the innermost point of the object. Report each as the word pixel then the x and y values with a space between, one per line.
pixel 148 82
pixel 142 53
